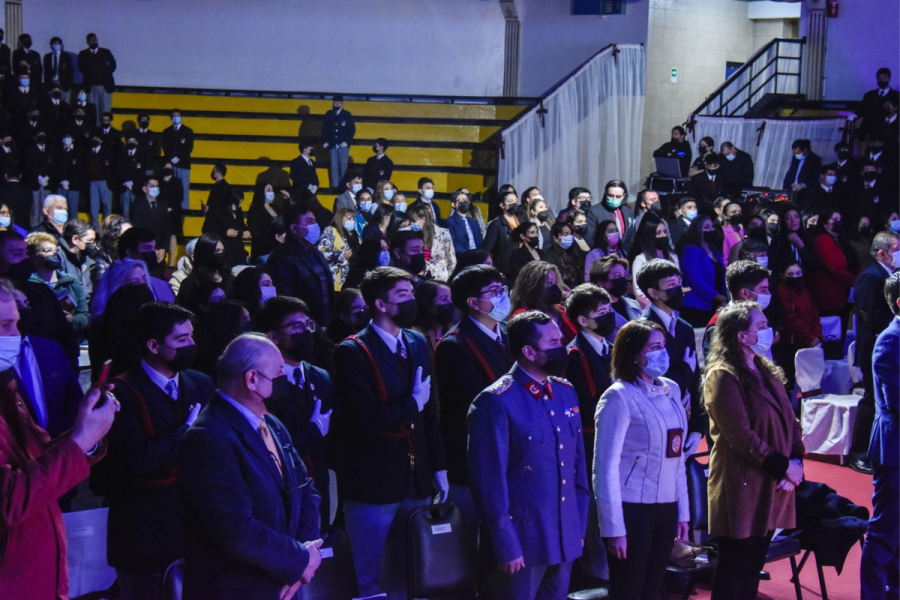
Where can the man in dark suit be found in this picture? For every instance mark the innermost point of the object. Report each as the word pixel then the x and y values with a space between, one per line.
pixel 56 112
pixel 590 357
pixel 660 280
pixel 709 184
pixel 472 356
pixel 338 130
pixel 426 193
pixel 25 54
pixel 378 167
pixel 678 148
pixel 5 56
pixel 737 167
pixel 464 230
pixel 527 468
pixel 58 66
pixel 826 193
pixel 69 174
pixel 130 169
pixel 48 383
pixel 298 268
pixel 251 512
pixel 612 207
pixel 110 136
pixel 394 452
pixel 161 398
pixel 80 99
pixel 220 194
pixel 847 167
pixel 884 158
pixel 100 178
pixel 177 146
pixel 873 196
pixel 684 214
pixel 148 142
pixel 79 128
pixel 878 566
pixel 803 172
pixel 9 152
pixel 873 316
pixel 151 212
pixel 23 98
pixel 97 66
pixel 40 166
pixel 871 108
pixel 303 399
pixel 303 172
pixel 17 196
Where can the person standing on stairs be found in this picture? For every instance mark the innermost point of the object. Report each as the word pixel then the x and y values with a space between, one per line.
pixel 178 143
pixel 378 167
pixel 338 130
pixel 97 65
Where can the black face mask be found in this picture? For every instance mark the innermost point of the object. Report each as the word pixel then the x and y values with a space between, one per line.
pixel 553 295
pixel 605 324
pixel 95 143
pixel 703 149
pixel 655 208
pixel 216 262
pixel 167 172
pixel 52 262
pixel 580 229
pixel 710 237
pixel 21 271
pixel 618 287
pixel 838 228
pixel 662 243
pixel 406 313
pixel 736 219
pixel 144 124
pixel 416 264
pixel 772 229
pixel 149 257
pixel 302 345
pixel 131 145
pixel 56 95
pixel 359 320
pixel 533 241
pixel 869 176
pixel 843 154
pixel 543 215
pixel 795 282
pixel 674 297
pixel 883 85
pixel 462 207
pixel 184 358
pixel 756 232
pixel 213 175
pixel 443 313
pixel 91 249
pixel 865 231
pixel 557 361
pixel 41 139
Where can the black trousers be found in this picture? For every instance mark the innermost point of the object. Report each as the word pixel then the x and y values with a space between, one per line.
pixel 865 411
pixel 737 567
pixel 651 531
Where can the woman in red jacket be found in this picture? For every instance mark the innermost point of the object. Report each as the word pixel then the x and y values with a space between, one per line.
pixel 539 286
pixel 830 283
pixel 802 328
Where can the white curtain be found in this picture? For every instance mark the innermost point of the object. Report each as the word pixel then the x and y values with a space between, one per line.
pixel 591 132
pixel 772 156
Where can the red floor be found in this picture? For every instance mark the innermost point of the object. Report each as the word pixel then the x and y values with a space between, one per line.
pixel 849 483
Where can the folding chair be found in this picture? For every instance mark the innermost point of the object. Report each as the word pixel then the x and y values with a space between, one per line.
pixel 826 419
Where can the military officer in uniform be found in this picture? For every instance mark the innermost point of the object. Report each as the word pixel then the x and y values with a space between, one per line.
pixel 527 470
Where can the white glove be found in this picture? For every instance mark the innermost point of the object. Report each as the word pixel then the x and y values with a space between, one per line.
pixel 421 389
pixel 129 184
pixel 691 444
pixel 64 185
pixel 343 144
pixel 442 485
pixel 312 188
pixel 691 359
pixel 174 160
pixel 322 421
pixel 192 416
pixel 325 145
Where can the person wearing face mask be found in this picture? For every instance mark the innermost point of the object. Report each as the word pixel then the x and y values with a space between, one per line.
pixel 225 219
pixel 732 228
pixel 76 247
pixel 757 456
pixel 378 167
pixel 151 211
pixel 838 266
pixel 161 397
pixel 177 146
pixel 563 255
pixel 803 172
pixel 298 267
pixel 872 193
pixel 43 250
pixel 303 399
pixel 265 207
pixel 22 100
pixel 607 241
pixel 464 230
pixel 148 142
pixel 651 241
pixel 883 156
pixel 100 174
pixel 802 327
pixel 613 208
pixel 579 199
pixel 527 236
pixel 339 242
pixel 640 482
pixel 472 356
pixel 435 312
pixel 110 136
pixel 140 244
pixel 130 167
pixel 678 147
pixel 498 238
pixel 540 287
pixel 5 55
pixel 69 174
pixel 89 109
pixel 304 175
pixel 647 203
pixel 253 288
pixel 527 468
pixel 826 193
pixel 736 169
pixel 536 211
pixel 704 147
pixel 704 273
pixel 97 66
pixel 707 185
pixel 58 66
pixel 661 282
pixel 847 167
pixel 394 458
pixel 55 111
pixel 685 212
pixel 40 165
pixel 277 550
pixel 873 315
pixel 338 131
pixel 220 193
pixel 352 185
pixel 871 107
pixel 611 274
pixel 426 194
pixel 25 53
pixel 55 216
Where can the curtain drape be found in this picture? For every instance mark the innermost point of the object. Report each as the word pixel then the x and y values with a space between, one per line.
pixel 589 134
pixel 772 156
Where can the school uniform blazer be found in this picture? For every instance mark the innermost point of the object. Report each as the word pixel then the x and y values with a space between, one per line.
pixel 884 446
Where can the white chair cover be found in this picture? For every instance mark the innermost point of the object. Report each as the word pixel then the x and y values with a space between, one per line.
pixel 698 340
pixel 88 570
pixel 831 328
pixel 827 419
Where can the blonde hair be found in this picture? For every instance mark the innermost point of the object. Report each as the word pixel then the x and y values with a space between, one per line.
pixel 530 212
pixel 378 198
pixel 33 240
pixel 528 291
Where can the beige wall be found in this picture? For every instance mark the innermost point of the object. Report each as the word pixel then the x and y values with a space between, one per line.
pixel 697 37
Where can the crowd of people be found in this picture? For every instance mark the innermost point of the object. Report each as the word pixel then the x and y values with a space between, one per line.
pixel 539 372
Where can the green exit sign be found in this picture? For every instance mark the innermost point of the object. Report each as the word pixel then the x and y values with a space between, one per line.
pixel 674 75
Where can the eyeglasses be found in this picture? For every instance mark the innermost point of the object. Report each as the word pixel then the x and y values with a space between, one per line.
pixel 300 326
pixel 494 292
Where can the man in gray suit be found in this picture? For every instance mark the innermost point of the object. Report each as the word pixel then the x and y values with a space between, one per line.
pixel 348 198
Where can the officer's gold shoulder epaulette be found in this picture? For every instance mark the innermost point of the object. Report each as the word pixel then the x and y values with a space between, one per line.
pixel 501 385
pixel 561 380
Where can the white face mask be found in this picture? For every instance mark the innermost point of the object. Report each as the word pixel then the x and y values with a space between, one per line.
pixel 388 194
pixel 267 293
pixel 567 241
pixel 428 194
pixel 501 307
pixel 763 261
pixel 400 207
pixel 764 339
pixel 356 187
pixel 763 300
pixel 270 196
pixel 9 351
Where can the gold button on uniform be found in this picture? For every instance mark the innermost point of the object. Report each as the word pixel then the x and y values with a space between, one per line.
pixel 563 498
pixel 552 413
pixel 560 446
pixel 558 429
pixel 564 482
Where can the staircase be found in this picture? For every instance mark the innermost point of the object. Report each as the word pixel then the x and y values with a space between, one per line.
pixel 451 140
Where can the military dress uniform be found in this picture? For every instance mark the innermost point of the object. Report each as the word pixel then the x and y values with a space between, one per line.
pixel 529 481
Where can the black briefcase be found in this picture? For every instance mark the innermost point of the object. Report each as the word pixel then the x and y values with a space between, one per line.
pixel 335 579
pixel 439 562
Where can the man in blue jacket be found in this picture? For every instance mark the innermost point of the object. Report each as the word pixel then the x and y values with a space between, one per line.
pixel 464 230
pixel 527 470
pixel 338 130
pixel 878 568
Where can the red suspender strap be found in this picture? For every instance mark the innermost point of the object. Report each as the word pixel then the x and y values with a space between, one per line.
pixel 149 431
pixel 481 360
pixel 587 370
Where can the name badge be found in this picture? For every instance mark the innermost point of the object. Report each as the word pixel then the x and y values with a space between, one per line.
pixel 673 445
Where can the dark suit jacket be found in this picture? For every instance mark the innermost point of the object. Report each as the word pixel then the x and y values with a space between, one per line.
pixel 818 198
pixel 131 168
pixel 497 242
pixel 873 313
pixel 70 167
pixel 62 392
pixel 883 446
pixel 178 143
pixel 34 63
pixel 736 174
pixel 677 228
pixel 679 371
pixel 292 269
pixel 599 372
pixel 377 169
pixel 456 223
pixel 377 469
pixel 106 70
pixel 437 210
pixel 598 213
pixel 146 530
pixel 702 188
pixel 5 59
pixel 64 68
pixel 219 195
pixel 294 408
pixel 90 112
pixel 18 198
pixel 245 523
pixel 872 109
pixel 56 117
pixel 39 163
pixel 809 174
pixel 303 175
pixel 460 376
pixel 681 151
pixel 148 145
pixel 338 128
pixel 157 221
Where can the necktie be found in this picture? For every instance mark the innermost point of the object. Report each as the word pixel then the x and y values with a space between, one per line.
pixel 172 389
pixel 153 205
pixel 401 349
pixel 298 377
pixel 469 233
pixel 672 325
pixel 55 66
pixel 266 436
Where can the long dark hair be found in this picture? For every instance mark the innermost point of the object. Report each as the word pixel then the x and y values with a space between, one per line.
pixel 221 325
pixel 203 253
pixel 645 240
pixel 600 241
pixel 246 288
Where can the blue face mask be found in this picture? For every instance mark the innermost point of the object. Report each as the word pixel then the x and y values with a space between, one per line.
pixel 355 188
pixel 5 222
pixel 400 207
pixel 657 363
pixel 60 216
pixel 895 225
pixel 731 156
pixel 313 233
pixel 176 120
pixel 270 196
pixel 429 194
pixel 415 227
pixel 56 47
pixel 384 258
pixel 567 241
pixel 830 179
pixel 24 82
pixel 501 307
pixel 690 215
pixel 82 97
pixel 365 205
pixel 388 194
pixel 613 203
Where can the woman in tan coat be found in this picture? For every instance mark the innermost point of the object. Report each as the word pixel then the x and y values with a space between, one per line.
pixel 757 455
